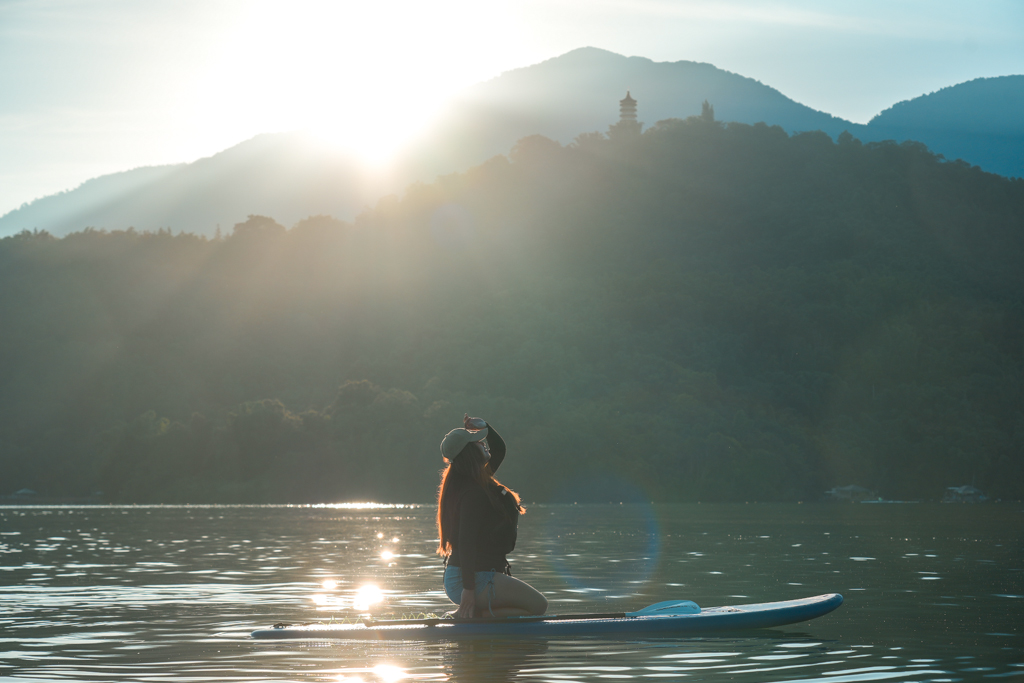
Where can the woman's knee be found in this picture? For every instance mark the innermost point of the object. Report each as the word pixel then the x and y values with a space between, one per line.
pixel 540 604
pixel 512 592
pixel 533 600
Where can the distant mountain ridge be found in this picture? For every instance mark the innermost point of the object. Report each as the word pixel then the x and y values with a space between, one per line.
pixel 579 92
pixel 980 121
pixel 289 176
pixel 991 105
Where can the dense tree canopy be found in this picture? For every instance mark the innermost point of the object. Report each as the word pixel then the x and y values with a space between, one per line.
pixel 701 312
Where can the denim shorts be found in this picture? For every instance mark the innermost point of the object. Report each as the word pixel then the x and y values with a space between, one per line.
pixel 453 585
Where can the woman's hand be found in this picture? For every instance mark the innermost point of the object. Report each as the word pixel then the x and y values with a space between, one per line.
pixel 467 606
pixel 473 423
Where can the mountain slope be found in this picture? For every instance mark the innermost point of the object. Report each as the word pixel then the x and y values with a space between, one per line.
pixel 980 121
pixel 579 92
pixel 984 105
pixel 287 175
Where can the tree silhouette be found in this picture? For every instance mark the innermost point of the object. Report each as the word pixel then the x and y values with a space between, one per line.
pixel 707 112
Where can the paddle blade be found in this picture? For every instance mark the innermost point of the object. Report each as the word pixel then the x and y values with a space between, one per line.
pixel 667 607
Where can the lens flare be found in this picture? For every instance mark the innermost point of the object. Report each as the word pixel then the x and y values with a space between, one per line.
pixel 387 555
pixel 642 544
pixel 330 584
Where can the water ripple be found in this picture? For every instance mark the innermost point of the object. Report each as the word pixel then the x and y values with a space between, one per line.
pixel 171 593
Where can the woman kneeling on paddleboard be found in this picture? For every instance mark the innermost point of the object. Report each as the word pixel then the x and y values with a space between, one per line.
pixel 477 519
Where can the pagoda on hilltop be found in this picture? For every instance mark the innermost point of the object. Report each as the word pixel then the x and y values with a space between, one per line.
pixel 627 125
pixel 627 109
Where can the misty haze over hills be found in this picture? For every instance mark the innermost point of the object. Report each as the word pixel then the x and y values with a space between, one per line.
pixel 285 174
pixel 290 176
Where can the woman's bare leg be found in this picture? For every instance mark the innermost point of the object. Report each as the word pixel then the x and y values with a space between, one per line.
pixel 512 598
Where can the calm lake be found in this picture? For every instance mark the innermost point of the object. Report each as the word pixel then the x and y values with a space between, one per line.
pixel 933 592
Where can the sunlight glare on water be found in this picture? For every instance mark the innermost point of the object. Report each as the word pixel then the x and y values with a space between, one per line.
pixel 933 592
pixel 389 673
pixel 367 596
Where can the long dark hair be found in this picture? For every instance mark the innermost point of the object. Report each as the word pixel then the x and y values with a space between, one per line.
pixel 468 468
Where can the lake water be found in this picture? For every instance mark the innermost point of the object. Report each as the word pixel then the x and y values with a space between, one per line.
pixel 933 592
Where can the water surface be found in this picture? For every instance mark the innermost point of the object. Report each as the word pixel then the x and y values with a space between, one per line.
pixel 933 592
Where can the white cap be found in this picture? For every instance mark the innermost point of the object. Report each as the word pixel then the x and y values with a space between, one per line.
pixel 455 440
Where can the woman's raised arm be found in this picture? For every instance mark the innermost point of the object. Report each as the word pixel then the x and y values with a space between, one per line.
pixel 495 444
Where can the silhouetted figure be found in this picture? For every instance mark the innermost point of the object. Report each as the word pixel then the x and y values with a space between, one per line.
pixel 477 522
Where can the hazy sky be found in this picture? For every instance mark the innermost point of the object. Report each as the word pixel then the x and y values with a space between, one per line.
pixel 95 86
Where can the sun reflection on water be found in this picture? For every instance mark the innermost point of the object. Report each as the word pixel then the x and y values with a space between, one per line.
pixel 385 673
pixel 367 595
pixel 389 673
pixel 328 602
pixel 360 506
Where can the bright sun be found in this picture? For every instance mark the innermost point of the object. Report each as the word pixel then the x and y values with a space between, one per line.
pixel 367 78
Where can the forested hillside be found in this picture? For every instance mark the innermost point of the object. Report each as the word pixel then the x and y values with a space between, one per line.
pixel 981 121
pixel 702 312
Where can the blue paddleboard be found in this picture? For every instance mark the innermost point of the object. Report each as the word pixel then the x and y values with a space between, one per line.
pixel 730 618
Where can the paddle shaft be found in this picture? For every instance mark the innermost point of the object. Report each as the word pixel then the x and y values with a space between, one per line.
pixel 493 620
